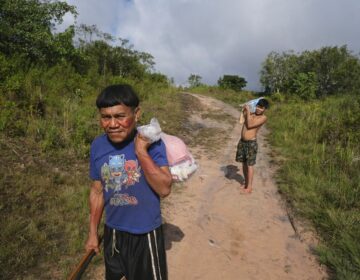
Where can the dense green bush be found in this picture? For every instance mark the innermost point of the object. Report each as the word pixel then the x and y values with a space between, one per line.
pixel 233 82
pixel 318 73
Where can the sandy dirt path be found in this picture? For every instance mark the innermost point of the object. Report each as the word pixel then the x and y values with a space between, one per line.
pixel 215 232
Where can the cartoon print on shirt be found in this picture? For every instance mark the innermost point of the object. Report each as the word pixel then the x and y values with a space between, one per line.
pixel 119 173
pixel 121 199
pixel 105 174
pixel 133 172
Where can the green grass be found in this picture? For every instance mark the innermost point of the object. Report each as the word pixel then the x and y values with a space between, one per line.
pixel 43 207
pixel 320 177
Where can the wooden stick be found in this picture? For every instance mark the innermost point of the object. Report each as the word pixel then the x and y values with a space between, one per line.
pixel 83 264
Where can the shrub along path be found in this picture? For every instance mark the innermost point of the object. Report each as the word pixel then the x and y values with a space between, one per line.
pixel 215 232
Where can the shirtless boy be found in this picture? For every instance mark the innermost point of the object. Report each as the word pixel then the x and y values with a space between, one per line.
pixel 247 147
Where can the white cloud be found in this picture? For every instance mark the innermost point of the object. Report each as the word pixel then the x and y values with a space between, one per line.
pixel 212 38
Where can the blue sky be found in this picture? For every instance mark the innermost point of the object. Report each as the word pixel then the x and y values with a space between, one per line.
pixel 211 38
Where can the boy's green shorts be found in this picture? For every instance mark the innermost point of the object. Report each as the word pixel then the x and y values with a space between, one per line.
pixel 247 151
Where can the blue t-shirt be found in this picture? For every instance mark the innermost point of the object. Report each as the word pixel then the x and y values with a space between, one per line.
pixel 130 203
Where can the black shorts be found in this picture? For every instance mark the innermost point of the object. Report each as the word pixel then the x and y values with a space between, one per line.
pixel 135 256
pixel 247 151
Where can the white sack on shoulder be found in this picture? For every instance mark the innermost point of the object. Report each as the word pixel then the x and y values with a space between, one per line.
pixel 252 104
pixel 182 171
pixel 181 161
pixel 176 150
pixel 150 131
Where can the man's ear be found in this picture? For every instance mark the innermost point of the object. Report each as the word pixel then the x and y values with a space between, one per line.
pixel 137 114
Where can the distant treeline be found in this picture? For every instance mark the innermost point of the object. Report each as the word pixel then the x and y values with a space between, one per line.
pixel 312 74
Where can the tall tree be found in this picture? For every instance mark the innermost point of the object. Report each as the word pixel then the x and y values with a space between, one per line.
pixel 278 70
pixel 305 85
pixel 118 60
pixel 337 70
pixel 194 80
pixel 26 29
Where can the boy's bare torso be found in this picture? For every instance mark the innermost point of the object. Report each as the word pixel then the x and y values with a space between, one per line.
pixel 250 133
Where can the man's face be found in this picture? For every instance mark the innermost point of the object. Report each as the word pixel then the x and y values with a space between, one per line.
pixel 119 122
pixel 259 110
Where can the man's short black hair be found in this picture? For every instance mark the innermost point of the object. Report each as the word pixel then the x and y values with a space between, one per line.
pixel 263 103
pixel 120 94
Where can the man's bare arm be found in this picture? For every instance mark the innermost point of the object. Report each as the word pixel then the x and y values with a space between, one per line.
pixel 96 201
pixel 159 178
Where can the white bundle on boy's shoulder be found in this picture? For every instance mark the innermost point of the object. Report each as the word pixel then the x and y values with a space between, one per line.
pixel 252 107
pixel 252 104
pixel 181 161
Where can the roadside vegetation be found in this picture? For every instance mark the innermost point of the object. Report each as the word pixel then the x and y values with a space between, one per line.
pixel 320 174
